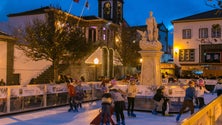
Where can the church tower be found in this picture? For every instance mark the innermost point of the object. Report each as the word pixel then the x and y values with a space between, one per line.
pixel 111 10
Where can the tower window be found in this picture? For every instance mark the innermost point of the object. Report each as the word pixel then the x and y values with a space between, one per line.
pixel 107 10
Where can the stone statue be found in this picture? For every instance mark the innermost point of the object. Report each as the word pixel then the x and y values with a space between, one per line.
pixel 149 38
pixel 142 34
pixel 152 29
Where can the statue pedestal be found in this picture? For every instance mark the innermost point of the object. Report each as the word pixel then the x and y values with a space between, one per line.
pixel 150 70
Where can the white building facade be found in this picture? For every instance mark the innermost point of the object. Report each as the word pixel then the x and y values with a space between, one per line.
pixel 198 44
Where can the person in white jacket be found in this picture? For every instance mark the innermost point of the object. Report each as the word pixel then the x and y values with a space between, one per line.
pixel 199 91
pixel 131 94
pixel 218 87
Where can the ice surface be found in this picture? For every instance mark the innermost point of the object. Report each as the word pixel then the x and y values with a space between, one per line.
pixel 60 116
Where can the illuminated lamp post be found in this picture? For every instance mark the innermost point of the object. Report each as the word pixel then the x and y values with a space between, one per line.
pixel 96 62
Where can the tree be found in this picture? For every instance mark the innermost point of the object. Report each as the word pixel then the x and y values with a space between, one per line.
pixel 129 47
pixel 55 39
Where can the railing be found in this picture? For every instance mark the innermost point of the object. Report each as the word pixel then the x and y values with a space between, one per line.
pixel 209 115
pixel 15 99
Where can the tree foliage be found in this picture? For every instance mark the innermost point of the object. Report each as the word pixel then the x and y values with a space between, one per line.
pixel 129 48
pixel 54 39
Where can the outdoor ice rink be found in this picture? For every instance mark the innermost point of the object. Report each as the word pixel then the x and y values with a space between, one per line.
pixel 60 116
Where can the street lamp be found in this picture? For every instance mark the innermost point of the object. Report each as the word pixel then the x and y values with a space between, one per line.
pixel 96 62
pixel 141 60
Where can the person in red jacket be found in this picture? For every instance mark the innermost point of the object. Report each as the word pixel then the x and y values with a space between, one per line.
pixel 72 94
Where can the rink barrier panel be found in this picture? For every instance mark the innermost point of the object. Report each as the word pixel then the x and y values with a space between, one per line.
pixel 209 115
pixel 16 99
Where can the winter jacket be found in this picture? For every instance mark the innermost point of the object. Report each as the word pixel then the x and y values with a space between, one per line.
pixel 199 91
pixel 190 93
pixel 116 95
pixel 71 90
pixel 132 90
pixel 79 92
pixel 158 95
pixel 217 87
pixel 106 99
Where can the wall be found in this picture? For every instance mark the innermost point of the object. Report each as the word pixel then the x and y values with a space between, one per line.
pixel 28 68
pixel 194 42
pixel 3 60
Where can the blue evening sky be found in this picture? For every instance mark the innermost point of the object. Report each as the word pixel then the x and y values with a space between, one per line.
pixel 135 11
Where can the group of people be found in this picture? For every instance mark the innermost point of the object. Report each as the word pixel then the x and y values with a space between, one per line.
pixel 193 93
pixel 196 91
pixel 76 95
pixel 194 97
pixel 114 98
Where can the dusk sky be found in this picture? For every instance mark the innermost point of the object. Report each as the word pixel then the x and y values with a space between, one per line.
pixel 135 11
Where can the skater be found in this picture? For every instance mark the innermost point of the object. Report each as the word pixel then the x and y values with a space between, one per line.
pixel 72 94
pixel 188 100
pixel 79 94
pixel 160 100
pixel 218 87
pixel 106 107
pixel 103 86
pixel 200 90
pixel 131 94
pixel 119 105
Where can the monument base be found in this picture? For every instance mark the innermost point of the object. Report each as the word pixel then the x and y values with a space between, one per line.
pixel 150 70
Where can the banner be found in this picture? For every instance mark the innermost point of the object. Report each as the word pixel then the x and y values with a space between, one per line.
pixel 16 92
pixel 142 90
pixel 56 88
pixel 3 92
pixel 32 90
pixel 27 91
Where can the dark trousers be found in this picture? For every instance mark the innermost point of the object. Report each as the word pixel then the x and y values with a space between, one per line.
pixel 164 106
pixel 105 114
pixel 189 104
pixel 118 108
pixel 131 101
pixel 200 102
pixel 72 103
pixel 219 92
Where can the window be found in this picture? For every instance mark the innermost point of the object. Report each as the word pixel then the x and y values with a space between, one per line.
pixel 203 33
pixel 186 34
pixel 186 55
pixel 216 31
pixel 212 57
pixel 92 35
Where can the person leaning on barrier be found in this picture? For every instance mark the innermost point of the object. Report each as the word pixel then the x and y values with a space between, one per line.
pixel 218 87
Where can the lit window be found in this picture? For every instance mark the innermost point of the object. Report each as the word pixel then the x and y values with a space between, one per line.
pixel 186 55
